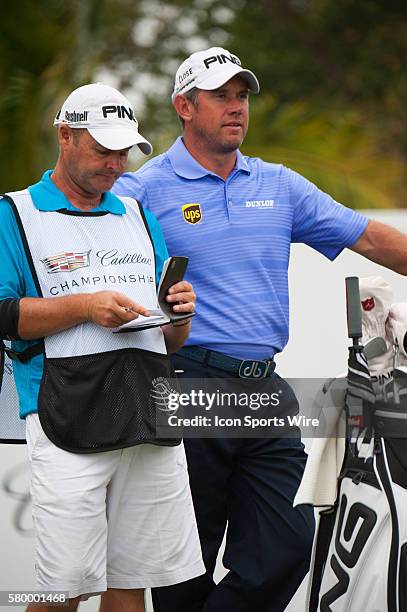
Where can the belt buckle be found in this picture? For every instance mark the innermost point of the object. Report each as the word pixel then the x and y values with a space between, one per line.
pixel 253 369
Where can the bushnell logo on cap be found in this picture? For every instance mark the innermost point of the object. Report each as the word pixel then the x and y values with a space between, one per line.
pixel 106 114
pixel 74 117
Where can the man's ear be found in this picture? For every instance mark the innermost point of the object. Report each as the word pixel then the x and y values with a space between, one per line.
pixel 183 107
pixel 65 136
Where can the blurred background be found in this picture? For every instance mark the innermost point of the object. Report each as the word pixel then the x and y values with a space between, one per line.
pixel 332 106
pixel 332 74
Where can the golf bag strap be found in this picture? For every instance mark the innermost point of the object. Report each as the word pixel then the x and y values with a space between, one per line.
pixel 324 535
pixel 358 476
pixel 21 356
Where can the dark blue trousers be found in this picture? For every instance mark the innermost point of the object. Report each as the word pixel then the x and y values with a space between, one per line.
pixel 248 486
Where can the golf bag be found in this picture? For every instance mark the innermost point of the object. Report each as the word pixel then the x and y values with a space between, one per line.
pixel 359 559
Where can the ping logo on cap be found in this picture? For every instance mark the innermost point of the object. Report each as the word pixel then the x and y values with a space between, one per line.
pixel 118 109
pixel 192 213
pixel 222 59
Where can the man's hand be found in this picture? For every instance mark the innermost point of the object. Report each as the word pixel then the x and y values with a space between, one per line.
pixel 111 309
pixel 182 296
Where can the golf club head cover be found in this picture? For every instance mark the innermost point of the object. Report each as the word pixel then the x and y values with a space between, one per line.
pixel 376 297
pixel 396 328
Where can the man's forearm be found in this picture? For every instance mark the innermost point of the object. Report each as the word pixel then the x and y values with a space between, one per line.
pixel 176 335
pixel 40 317
pixel 384 245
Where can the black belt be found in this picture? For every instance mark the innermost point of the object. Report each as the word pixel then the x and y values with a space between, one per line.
pixel 243 368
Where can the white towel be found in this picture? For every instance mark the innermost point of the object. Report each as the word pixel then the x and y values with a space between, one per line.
pixel 320 479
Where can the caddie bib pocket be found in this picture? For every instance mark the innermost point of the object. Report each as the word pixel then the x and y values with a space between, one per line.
pixel 96 403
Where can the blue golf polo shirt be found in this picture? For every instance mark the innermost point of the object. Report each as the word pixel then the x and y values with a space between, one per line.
pixel 237 233
pixel 16 279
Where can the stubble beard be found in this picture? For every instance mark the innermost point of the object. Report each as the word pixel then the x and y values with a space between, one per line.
pixel 218 145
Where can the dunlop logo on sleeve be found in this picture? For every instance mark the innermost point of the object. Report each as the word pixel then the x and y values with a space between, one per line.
pixel 192 213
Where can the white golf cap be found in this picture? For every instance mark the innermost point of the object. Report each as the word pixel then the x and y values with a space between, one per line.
pixel 106 114
pixel 211 69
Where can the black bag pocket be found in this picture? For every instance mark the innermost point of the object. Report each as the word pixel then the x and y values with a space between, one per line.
pixel 396 449
pixel 105 401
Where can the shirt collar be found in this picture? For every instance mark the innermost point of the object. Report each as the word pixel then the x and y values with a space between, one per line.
pixel 186 166
pixel 47 197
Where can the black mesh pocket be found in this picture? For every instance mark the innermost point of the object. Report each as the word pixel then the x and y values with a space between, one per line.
pixel 95 403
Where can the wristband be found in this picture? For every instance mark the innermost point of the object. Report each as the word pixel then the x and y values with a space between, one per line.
pixel 9 316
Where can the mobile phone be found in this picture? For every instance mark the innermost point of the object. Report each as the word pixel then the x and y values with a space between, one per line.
pixel 173 272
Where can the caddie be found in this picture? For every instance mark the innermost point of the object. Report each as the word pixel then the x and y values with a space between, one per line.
pixel 112 507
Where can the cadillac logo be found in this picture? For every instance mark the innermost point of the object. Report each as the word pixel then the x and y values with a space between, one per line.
pixel 66 262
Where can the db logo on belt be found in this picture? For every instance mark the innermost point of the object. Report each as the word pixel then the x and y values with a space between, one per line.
pixel 192 213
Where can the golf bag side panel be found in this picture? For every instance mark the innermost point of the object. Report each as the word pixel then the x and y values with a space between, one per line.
pixel 403 577
pixel 358 552
pixel 320 548
pixel 366 564
pixel 395 459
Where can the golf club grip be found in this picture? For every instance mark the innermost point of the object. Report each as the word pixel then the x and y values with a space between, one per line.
pixel 353 308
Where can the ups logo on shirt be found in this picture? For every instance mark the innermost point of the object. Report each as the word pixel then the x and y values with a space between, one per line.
pixel 192 213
